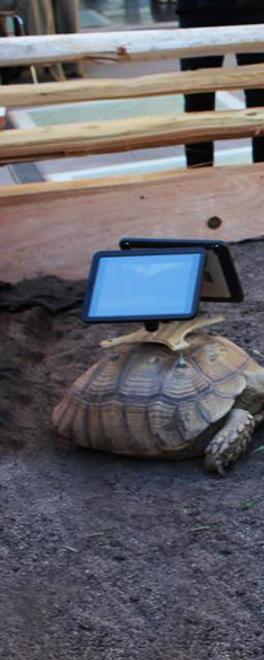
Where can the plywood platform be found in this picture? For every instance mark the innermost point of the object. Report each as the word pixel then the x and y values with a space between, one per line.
pixel 58 230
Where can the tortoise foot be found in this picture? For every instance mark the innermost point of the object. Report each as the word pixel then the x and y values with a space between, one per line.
pixel 229 443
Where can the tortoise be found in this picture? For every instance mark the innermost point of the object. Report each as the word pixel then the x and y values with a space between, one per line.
pixel 160 396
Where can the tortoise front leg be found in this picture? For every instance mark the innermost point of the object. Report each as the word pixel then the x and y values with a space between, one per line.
pixel 231 441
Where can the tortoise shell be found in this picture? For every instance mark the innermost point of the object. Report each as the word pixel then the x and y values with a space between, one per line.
pixel 142 402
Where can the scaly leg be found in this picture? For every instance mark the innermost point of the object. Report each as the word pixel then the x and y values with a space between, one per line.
pixel 229 443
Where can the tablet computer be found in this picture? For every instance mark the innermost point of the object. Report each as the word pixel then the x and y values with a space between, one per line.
pixel 142 285
pixel 220 280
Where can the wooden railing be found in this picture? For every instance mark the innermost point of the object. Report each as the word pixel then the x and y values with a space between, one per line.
pixel 87 214
pixel 124 46
pixel 204 80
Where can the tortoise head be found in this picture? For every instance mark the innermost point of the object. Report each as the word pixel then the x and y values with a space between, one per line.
pixel 252 398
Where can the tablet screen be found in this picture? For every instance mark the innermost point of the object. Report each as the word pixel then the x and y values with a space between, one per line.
pixel 220 281
pixel 140 286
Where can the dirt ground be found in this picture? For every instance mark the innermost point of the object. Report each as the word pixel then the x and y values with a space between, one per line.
pixel 104 558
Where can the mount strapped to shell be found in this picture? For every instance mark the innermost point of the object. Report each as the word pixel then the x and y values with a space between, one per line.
pixel 172 335
pixel 155 281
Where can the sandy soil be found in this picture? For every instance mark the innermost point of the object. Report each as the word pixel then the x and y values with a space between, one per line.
pixel 104 558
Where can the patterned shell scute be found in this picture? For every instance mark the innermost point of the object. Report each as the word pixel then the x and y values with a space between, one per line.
pixel 142 402
pixel 216 363
pixel 142 375
pixel 106 378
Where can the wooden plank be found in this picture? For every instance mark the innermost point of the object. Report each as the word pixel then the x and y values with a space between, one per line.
pixel 50 187
pixel 58 232
pixel 90 186
pixel 203 80
pixel 128 45
pixel 138 133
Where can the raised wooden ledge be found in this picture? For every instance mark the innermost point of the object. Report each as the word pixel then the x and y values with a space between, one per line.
pixel 87 185
pixel 57 233
pixel 138 133
pixel 204 80
pixel 47 189
pixel 131 45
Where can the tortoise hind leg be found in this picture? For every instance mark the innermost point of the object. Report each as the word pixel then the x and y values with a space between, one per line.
pixel 231 441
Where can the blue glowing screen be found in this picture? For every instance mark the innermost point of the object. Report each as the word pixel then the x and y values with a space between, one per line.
pixel 145 285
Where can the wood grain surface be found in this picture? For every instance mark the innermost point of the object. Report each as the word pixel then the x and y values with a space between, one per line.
pixel 57 233
pixel 128 134
pixel 126 45
pixel 70 91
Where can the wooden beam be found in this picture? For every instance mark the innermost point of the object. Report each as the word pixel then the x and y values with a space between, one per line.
pixel 90 186
pixel 128 45
pixel 203 80
pixel 114 136
pixel 86 185
pixel 57 233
